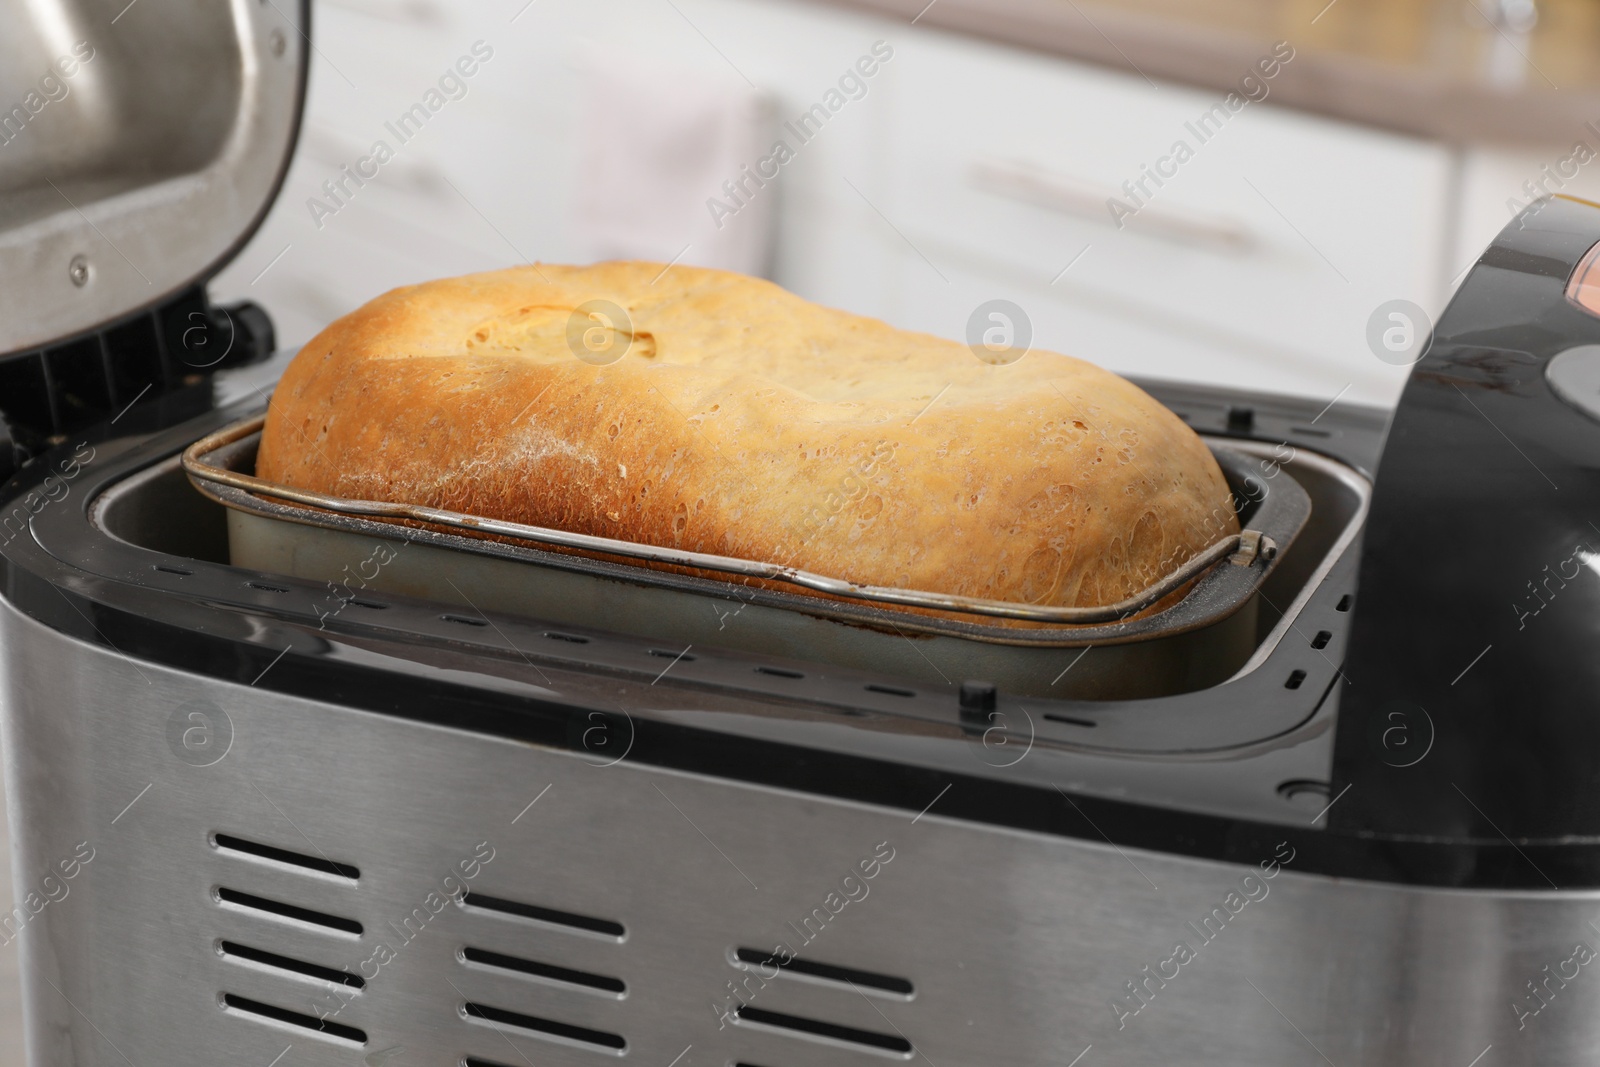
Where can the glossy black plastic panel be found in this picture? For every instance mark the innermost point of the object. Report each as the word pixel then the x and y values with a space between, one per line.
pixel 1472 710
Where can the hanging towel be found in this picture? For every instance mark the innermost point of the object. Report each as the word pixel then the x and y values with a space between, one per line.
pixel 665 159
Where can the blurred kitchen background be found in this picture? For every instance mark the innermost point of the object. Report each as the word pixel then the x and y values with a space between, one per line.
pixel 974 162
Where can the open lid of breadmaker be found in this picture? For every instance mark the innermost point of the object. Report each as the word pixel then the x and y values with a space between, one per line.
pixel 138 152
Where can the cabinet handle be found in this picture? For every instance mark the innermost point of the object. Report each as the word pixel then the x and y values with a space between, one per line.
pixel 1086 200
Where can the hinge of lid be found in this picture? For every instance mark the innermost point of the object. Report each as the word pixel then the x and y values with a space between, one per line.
pixel 49 393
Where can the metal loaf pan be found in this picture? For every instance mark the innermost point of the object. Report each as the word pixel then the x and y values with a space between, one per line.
pixel 1199 641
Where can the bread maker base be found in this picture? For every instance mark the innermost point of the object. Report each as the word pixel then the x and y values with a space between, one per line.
pixel 1019 947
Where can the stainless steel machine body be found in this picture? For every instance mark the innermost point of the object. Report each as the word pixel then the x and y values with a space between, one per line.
pixel 1018 946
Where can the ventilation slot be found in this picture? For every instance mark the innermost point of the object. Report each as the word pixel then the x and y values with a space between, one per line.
pixel 1295 678
pixel 827 972
pixel 571 638
pixel 1310 431
pixel 235 950
pixel 172 570
pixel 464 620
pixel 1069 720
pixel 664 654
pixel 847 1035
pixel 338 1031
pixel 546 1027
pixel 564 975
pixel 544 915
pixel 288 911
pixel 369 605
pixel 229 843
pixel 266 588
pixel 1322 639
pixel 1344 603
pixel 779 672
pixel 890 691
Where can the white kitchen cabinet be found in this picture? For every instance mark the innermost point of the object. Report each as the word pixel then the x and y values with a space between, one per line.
pixel 1293 228
pixel 968 171
pixel 491 178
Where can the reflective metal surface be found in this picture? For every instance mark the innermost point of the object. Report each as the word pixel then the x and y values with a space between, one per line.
pixel 137 150
pixel 1251 548
pixel 1018 947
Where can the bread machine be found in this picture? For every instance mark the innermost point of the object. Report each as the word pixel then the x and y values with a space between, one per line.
pixel 299 820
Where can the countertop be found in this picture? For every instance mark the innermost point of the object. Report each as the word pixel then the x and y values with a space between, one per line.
pixel 1439 69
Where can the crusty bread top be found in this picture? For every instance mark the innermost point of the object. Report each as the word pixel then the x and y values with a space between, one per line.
pixel 746 421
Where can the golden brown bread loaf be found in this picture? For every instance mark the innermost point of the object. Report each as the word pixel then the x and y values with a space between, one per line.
pixel 745 421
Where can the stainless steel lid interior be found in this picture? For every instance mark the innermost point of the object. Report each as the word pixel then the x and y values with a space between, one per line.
pixel 140 156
